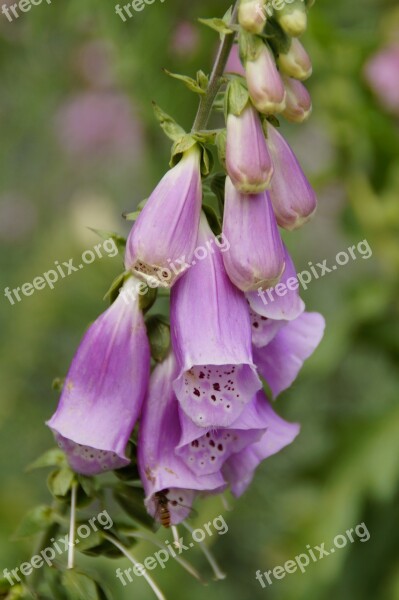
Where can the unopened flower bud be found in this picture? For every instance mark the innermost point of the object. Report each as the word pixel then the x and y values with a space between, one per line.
pixel 293 198
pixel 293 18
pixel 251 15
pixel 248 159
pixel 265 85
pixel 298 105
pixel 295 62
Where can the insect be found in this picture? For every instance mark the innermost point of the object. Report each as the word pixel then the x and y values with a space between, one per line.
pixel 162 508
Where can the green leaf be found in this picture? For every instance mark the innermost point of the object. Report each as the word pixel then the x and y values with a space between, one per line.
pixel 220 142
pixel 192 84
pixel 218 25
pixel 60 481
pixel 169 125
pixel 158 331
pixel 206 161
pixel 186 142
pixel 37 519
pixel 213 219
pixel 51 458
pixel 79 585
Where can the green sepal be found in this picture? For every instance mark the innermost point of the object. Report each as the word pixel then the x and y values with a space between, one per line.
pixel 198 85
pixel 167 123
pixel 60 482
pixel 220 142
pixel 147 300
pixel 250 46
pixel 158 331
pixel 279 41
pixel 180 146
pixel 206 161
pixel 236 98
pixel 132 216
pixel 113 291
pixel 51 458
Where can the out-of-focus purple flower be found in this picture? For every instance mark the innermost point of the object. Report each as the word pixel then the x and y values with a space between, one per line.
pixel 271 308
pixel 96 125
pixel 251 17
pixel 205 450
pixel 298 104
pixel 185 39
pixel 212 341
pixel 234 64
pixel 293 198
pixel 239 468
pixel 161 470
pixel 104 390
pixel 281 360
pixel 295 62
pixel 248 160
pixel 382 74
pixel 165 233
pixel 256 254
pixel 265 85
pixel 94 63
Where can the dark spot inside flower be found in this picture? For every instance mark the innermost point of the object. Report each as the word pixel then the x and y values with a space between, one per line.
pixel 216 387
pixel 213 397
pixel 212 458
pixel 255 324
pixel 208 434
pixel 264 318
pixel 201 375
pixel 197 392
pixel 174 503
pixel 220 447
pixel 195 443
pixel 180 499
pixel 211 443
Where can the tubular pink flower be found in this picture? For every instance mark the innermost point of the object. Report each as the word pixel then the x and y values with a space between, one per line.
pixel 240 467
pixel 293 198
pixel 265 85
pixel 234 64
pixel 104 389
pixel 281 360
pixel 256 254
pixel 161 470
pixel 248 160
pixel 211 336
pixel 165 233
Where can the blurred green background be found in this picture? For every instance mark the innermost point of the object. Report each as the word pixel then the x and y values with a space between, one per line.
pixel 79 146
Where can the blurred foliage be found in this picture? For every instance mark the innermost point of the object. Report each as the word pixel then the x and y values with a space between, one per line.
pixel 344 467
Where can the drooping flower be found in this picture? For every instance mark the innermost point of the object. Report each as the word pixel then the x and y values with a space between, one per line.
pixel 206 449
pixel 295 62
pixel 161 470
pixel 239 468
pixel 248 160
pixel 256 254
pixel 293 198
pixel 298 106
pixel 164 236
pixel 271 308
pixel 265 85
pixel 292 18
pixel 281 360
pixel 211 337
pixel 104 390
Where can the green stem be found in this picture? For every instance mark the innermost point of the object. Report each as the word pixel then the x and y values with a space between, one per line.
pixel 215 81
